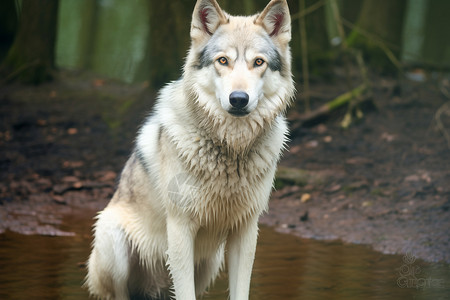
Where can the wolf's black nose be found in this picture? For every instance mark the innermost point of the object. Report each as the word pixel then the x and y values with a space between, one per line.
pixel 238 99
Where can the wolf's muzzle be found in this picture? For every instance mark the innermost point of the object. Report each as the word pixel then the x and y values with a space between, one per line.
pixel 238 101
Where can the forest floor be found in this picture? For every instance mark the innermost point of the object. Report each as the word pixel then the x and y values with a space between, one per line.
pixel 385 181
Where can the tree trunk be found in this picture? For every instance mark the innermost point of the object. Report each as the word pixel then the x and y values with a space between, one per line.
pixel 31 57
pixel 169 39
pixel 8 25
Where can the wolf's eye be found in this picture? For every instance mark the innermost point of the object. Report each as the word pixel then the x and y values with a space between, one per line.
pixel 223 61
pixel 259 62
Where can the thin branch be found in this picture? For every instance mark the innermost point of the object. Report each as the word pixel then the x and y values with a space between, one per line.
pixel 387 46
pixel 307 11
pixel 445 108
pixel 377 40
pixel 343 45
pixel 304 44
pixel 21 69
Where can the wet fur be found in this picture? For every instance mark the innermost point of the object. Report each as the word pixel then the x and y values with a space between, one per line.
pixel 149 243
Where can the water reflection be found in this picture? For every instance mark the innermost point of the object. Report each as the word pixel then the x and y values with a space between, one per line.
pixel 39 267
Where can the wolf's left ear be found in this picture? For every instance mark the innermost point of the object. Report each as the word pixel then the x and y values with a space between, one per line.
pixel 207 16
pixel 276 20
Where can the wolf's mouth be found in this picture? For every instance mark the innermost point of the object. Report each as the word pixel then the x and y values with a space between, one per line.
pixel 237 112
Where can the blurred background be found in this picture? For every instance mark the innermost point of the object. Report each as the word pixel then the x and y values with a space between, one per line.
pixel 368 160
pixel 146 40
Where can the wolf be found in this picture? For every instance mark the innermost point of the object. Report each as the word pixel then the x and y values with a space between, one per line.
pixel 203 165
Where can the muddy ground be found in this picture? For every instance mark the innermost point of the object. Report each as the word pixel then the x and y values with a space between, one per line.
pixel 384 182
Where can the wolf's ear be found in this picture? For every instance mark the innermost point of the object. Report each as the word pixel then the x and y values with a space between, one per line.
pixel 206 18
pixel 275 19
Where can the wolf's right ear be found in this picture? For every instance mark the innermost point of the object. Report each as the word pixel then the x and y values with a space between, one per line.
pixel 206 18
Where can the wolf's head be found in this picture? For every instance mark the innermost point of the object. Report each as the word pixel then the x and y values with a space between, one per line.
pixel 238 68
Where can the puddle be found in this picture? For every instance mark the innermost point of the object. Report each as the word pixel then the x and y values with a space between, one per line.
pixel 286 267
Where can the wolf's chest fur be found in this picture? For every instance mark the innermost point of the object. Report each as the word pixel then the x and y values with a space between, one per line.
pixel 228 186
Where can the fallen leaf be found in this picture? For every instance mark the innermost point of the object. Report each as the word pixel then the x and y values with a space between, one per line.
pixel 334 188
pixel 108 176
pixel 41 122
pixel 70 179
pixel 77 185
pixel 359 161
pixel 72 131
pixel 295 149
pixel 60 188
pixel 387 137
pixel 98 82
pixel 426 177
pixel 59 199
pixel 328 139
pixel 321 128
pixel 367 203
pixel 73 164
pixel 412 178
pixel 305 197
pixel 312 144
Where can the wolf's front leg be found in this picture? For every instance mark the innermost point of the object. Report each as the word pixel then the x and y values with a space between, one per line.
pixel 241 247
pixel 181 234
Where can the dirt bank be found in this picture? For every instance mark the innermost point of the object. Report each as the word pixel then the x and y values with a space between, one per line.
pixel 383 182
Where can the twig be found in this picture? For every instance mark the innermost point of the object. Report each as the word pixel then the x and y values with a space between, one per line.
pixel 390 55
pixel 304 44
pixel 307 11
pixel 21 69
pixel 445 92
pixel 343 44
pixel 347 120
pixel 445 108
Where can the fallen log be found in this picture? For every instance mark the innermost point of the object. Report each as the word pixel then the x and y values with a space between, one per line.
pixel 309 119
pixel 295 176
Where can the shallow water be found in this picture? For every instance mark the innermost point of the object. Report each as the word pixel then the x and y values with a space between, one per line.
pixel 286 267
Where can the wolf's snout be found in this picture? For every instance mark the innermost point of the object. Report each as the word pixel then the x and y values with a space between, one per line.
pixel 238 99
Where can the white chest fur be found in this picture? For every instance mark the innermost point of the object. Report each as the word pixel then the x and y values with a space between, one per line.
pixel 226 186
